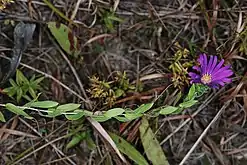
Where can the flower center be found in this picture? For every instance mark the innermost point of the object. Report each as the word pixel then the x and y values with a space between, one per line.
pixel 206 78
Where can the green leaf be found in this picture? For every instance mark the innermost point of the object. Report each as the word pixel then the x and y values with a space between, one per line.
pixel 68 107
pixel 100 118
pixel 151 145
pixel 12 82
pixel 20 78
pixel 19 94
pixel 65 38
pixel 37 81
pixel 2 119
pixel 43 104
pixel 52 112
pixel 191 94
pixel 168 110
pixel 19 111
pixel 114 112
pixel 31 100
pixel 122 119
pixel 32 92
pixel 126 148
pixel 143 108
pixel 188 104
pixel 79 114
pixel 178 97
pixel 114 18
pixel 76 139
pixel 88 113
pixel 11 91
pixel 90 143
pixel 27 97
pixel 132 116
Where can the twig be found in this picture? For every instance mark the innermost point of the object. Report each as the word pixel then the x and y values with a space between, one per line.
pixel 106 136
pixel 75 74
pixel 46 139
pixel 76 9
pixel 204 133
pixel 207 101
pixel 87 100
pixel 49 143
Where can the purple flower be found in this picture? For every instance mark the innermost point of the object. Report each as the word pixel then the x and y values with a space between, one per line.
pixel 211 73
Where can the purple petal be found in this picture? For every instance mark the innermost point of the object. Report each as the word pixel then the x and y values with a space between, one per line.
pixel 225 68
pixel 219 82
pixel 204 66
pixel 194 75
pixel 218 66
pixel 223 74
pixel 213 64
pixel 200 59
pixel 196 81
pixel 227 80
pixel 210 64
pixel 197 68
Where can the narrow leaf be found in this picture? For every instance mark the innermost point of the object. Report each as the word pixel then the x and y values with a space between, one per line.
pixel 188 104
pixel 126 148
pixel 77 116
pixel 76 140
pixel 122 119
pixel 90 142
pixel 144 108
pixel 19 94
pixel 191 94
pixel 19 111
pixel 151 145
pixel 114 112
pixel 20 78
pixel 43 104
pixel 132 116
pixel 68 107
pixel 168 110
pixel 100 118
pixel 2 119
pixel 52 112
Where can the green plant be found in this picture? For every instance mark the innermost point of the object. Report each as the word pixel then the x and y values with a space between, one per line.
pixel 74 112
pixel 109 18
pixel 23 88
pixel 78 134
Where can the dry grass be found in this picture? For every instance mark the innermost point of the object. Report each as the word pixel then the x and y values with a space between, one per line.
pixel 143 46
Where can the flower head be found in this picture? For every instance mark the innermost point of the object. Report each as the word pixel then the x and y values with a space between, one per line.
pixel 211 73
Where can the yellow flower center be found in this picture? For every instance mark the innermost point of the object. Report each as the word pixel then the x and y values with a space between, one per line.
pixel 206 79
